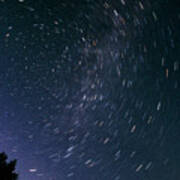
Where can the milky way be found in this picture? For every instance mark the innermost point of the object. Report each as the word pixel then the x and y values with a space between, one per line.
pixel 89 90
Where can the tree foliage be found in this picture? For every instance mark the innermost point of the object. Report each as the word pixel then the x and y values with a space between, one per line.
pixel 7 169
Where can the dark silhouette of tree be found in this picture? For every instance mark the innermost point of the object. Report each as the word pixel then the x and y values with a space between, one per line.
pixel 7 169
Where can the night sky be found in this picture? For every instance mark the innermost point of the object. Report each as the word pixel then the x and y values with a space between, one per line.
pixel 90 89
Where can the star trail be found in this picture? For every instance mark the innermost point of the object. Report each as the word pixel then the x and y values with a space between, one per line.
pixel 89 90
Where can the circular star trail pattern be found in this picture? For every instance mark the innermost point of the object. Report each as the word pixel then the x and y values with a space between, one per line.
pixel 89 90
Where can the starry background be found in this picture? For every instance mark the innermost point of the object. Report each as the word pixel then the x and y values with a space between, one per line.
pixel 89 90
